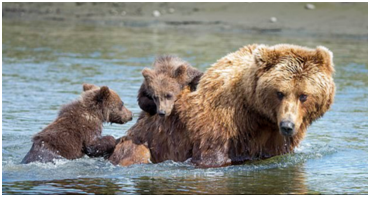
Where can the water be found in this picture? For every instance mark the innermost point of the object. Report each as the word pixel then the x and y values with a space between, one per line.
pixel 45 64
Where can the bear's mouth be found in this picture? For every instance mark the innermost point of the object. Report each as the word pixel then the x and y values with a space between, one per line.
pixel 120 120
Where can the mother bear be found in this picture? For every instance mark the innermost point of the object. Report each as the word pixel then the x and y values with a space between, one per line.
pixel 254 103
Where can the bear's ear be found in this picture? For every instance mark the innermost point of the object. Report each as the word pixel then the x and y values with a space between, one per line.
pixel 265 57
pixel 87 87
pixel 148 74
pixel 324 57
pixel 195 81
pixel 181 75
pixel 180 72
pixel 103 94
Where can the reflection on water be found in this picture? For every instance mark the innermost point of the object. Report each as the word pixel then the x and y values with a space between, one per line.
pixel 268 181
pixel 45 64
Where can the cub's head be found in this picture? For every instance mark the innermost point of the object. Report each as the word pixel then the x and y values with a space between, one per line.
pixel 107 102
pixel 164 87
pixel 294 85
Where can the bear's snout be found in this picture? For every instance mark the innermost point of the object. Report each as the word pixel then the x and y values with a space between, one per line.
pixel 125 116
pixel 287 128
pixel 130 115
pixel 165 107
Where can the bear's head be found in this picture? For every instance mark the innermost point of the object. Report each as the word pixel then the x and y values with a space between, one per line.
pixel 106 102
pixel 294 85
pixel 164 87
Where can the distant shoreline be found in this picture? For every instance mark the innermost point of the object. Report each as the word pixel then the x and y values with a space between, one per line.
pixel 323 19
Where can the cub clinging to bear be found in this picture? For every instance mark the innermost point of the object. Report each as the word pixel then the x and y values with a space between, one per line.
pixel 157 95
pixel 78 127
pixel 254 103
pixel 161 85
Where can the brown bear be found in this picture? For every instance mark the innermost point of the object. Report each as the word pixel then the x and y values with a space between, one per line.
pixel 161 86
pixel 78 127
pixel 252 104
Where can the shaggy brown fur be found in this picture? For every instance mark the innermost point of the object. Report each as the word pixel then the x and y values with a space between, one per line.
pixel 78 127
pixel 130 152
pixel 252 104
pixel 161 86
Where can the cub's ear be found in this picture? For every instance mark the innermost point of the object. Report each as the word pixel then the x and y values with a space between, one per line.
pixel 181 75
pixel 87 86
pixel 324 57
pixel 148 74
pixel 195 81
pixel 180 71
pixel 103 94
pixel 265 57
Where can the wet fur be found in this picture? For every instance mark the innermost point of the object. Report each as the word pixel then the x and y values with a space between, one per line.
pixel 78 127
pixel 130 152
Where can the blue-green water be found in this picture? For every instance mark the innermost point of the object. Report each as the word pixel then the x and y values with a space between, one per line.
pixel 45 63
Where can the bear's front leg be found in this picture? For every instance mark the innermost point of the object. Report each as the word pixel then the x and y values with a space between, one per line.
pixel 128 152
pixel 101 147
pixel 210 157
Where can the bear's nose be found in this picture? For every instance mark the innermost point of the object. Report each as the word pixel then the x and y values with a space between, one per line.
pixel 130 116
pixel 287 128
pixel 161 113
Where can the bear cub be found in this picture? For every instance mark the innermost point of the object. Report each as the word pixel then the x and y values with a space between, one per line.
pixel 77 129
pixel 161 85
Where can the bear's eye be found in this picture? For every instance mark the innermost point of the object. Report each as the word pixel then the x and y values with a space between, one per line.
pixel 121 106
pixel 168 96
pixel 303 98
pixel 280 95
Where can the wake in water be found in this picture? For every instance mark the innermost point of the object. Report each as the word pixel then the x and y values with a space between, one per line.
pixel 98 167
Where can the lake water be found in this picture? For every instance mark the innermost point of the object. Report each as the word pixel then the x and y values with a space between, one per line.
pixel 45 63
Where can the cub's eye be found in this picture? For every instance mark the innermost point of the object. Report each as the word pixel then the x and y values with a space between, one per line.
pixel 122 103
pixel 280 95
pixel 121 106
pixel 303 98
pixel 168 96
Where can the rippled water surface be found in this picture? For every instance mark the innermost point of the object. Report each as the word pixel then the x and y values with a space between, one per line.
pixel 45 63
